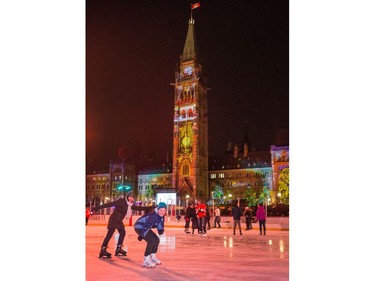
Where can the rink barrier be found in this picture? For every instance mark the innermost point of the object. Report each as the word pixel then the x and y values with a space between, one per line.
pixel 272 223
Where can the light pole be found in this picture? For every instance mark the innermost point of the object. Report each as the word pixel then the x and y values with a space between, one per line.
pixel 267 203
pixel 179 206
pixel 187 200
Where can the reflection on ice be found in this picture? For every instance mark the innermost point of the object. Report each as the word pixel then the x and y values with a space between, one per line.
pixel 167 242
pixel 281 246
pixel 228 242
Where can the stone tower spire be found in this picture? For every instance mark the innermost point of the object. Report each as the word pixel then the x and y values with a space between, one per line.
pixel 190 130
pixel 190 49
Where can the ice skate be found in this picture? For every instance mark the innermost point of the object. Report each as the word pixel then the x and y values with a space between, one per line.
pixel 147 262
pixel 187 230
pixel 154 259
pixel 104 253
pixel 119 251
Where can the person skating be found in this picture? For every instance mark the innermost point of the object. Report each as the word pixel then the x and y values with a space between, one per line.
pixel 249 217
pixel 115 222
pixel 261 216
pixel 236 211
pixel 194 218
pixel 189 212
pixel 143 226
pixel 201 215
pixel 208 218
pixel 88 214
pixel 217 217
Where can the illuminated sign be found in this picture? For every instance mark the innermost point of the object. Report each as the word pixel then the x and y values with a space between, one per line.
pixel 167 198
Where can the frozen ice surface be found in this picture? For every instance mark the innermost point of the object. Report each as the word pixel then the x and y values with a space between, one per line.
pixel 219 256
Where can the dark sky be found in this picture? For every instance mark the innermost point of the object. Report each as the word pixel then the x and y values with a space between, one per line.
pixel 132 48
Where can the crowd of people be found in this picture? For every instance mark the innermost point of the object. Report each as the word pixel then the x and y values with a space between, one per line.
pixel 199 215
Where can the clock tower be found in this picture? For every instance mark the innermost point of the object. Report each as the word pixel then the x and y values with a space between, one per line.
pixel 190 130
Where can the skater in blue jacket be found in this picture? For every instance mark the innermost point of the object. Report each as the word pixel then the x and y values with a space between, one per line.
pixel 153 219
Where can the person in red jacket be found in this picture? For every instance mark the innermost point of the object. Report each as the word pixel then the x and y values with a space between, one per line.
pixel 201 215
pixel 87 214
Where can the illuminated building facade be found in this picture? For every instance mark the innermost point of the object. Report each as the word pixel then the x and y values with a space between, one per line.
pixel 155 180
pixel 104 187
pixel 280 161
pixel 234 174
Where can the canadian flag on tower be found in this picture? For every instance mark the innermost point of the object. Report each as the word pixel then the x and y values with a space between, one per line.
pixel 196 5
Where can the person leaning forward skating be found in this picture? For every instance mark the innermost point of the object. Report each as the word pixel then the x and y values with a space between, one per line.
pixel 123 207
pixel 143 226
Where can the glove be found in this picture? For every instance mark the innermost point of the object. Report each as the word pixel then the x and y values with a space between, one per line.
pixel 140 238
pixel 160 231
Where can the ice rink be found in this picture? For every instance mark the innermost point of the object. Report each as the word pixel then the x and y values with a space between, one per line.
pixel 218 256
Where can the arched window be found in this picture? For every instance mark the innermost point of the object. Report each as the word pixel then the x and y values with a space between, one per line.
pixel 185 169
pixel 190 113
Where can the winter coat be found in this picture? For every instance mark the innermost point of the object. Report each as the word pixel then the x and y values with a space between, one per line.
pixel 148 221
pixel 119 213
pixel 208 214
pixel 248 214
pixel 236 212
pixel 261 213
pixel 201 210
pixel 191 214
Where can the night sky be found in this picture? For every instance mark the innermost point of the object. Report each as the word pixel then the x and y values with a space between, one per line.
pixel 132 48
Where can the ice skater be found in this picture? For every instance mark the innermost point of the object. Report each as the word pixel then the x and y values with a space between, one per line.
pixel 237 213
pixel 88 214
pixel 201 215
pixel 249 218
pixel 123 208
pixel 217 217
pixel 153 219
pixel 189 213
pixel 261 216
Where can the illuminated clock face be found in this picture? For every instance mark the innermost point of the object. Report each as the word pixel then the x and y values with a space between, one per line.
pixel 188 70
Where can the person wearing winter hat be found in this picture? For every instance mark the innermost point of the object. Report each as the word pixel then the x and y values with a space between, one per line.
pixel 143 226
pixel 123 208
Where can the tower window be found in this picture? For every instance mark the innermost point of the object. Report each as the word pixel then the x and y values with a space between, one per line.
pixel 185 170
pixel 190 113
